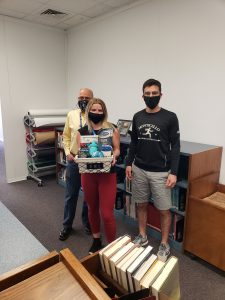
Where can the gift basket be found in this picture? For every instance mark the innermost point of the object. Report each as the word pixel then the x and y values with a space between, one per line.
pixel 95 154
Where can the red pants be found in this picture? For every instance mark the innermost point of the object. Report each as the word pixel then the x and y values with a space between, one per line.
pixel 100 194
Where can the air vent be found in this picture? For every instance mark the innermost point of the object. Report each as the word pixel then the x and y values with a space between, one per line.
pixel 54 13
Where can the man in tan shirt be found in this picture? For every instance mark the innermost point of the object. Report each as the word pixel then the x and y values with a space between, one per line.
pixel 75 120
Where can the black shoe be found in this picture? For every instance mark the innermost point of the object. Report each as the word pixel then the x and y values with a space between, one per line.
pixel 87 229
pixel 96 245
pixel 64 234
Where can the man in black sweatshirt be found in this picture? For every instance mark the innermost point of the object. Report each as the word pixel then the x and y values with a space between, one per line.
pixel 152 162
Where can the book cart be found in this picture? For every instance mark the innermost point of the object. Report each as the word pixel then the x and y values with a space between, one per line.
pixel 40 141
pixel 59 276
pixel 196 161
pixel 41 158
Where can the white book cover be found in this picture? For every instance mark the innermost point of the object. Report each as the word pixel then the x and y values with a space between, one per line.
pixel 104 249
pixel 142 270
pixel 123 261
pixel 167 282
pixel 152 274
pixel 123 270
pixel 135 265
pixel 116 258
pixel 112 250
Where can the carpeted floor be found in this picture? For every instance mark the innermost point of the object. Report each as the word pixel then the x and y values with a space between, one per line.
pixel 40 209
pixel 18 246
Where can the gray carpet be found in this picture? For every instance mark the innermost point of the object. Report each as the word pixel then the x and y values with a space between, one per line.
pixel 40 209
pixel 18 246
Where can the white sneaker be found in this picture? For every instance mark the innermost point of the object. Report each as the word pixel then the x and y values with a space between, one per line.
pixel 164 252
pixel 141 240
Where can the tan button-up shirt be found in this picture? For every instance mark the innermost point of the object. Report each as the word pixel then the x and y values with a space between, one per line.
pixel 74 121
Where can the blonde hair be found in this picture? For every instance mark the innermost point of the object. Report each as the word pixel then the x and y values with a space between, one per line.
pixel 91 102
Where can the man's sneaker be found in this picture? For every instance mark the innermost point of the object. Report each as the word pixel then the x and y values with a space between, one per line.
pixel 164 252
pixel 96 245
pixel 141 240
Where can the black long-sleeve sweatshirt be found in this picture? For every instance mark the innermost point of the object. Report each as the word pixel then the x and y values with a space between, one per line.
pixel 155 141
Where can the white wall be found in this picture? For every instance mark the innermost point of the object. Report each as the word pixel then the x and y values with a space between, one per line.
pixel 32 76
pixel 179 42
pixel 1 129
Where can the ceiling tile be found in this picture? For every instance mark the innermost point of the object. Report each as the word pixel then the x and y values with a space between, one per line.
pixel 42 20
pixel 76 6
pixel 118 3
pixel 97 10
pixel 23 6
pixel 63 26
pixel 78 19
pixel 42 1
pixel 48 19
pixel 78 11
pixel 11 13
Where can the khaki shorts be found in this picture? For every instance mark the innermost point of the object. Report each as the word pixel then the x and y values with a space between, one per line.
pixel 151 185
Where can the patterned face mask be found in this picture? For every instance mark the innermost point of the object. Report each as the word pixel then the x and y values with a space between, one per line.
pixel 82 105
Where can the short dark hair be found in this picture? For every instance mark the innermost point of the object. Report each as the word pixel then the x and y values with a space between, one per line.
pixel 151 82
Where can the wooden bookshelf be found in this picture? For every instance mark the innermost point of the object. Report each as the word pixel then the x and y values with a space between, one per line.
pixel 60 157
pixel 205 222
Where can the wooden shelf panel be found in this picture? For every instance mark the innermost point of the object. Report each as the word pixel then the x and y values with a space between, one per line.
pixel 55 282
pixel 54 276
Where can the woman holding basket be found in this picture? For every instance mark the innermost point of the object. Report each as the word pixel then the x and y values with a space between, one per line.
pixel 100 188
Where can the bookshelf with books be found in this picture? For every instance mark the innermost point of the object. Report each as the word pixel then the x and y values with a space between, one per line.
pixel 123 200
pixel 60 157
pixel 196 161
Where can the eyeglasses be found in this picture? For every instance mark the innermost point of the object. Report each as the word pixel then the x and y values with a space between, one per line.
pixel 84 98
pixel 154 93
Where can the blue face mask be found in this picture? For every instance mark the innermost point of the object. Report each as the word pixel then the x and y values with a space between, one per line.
pixel 151 102
pixel 82 105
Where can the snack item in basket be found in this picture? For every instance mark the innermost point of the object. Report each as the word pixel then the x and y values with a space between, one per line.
pixel 98 154
pixel 92 147
pixel 107 150
pixel 94 150
pixel 105 136
pixel 83 153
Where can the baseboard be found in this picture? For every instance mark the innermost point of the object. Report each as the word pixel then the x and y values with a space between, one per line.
pixel 11 180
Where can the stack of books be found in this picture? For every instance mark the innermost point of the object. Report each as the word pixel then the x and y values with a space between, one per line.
pixel 136 268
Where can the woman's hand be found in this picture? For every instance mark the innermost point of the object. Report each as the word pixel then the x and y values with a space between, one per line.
pixel 114 160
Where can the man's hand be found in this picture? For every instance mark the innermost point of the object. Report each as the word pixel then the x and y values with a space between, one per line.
pixel 129 172
pixel 70 157
pixel 171 181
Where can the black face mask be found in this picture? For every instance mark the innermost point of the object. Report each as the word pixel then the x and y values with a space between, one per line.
pixel 96 118
pixel 151 102
pixel 82 105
